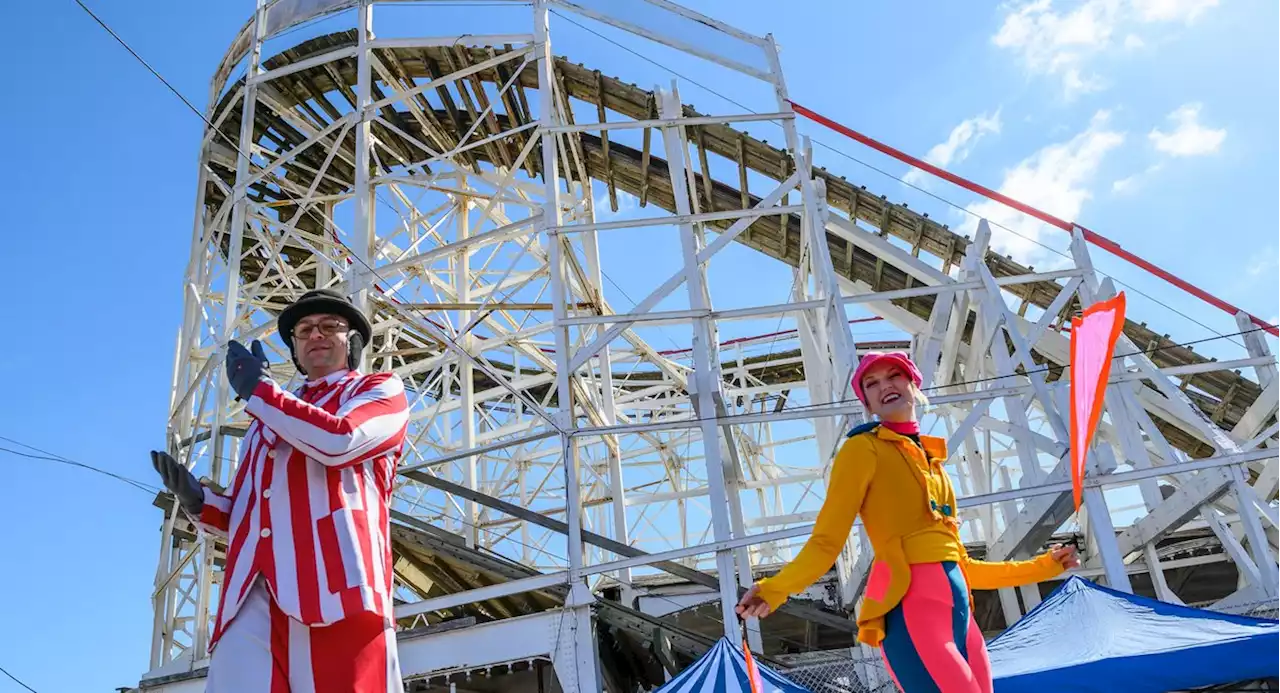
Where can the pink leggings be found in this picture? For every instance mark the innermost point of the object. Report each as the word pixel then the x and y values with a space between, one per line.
pixel 932 644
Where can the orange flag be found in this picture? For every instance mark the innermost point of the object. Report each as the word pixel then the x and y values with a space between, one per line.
pixel 1093 342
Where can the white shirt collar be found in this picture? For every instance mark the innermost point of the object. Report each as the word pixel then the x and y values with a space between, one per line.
pixel 328 379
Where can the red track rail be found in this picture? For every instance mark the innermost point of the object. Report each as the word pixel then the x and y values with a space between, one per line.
pixel 1092 237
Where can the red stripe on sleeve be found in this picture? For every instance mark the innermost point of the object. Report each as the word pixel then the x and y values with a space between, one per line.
pixel 215 517
pixel 353 434
pixel 387 447
pixel 291 406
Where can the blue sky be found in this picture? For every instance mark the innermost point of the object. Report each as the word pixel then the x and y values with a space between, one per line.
pixel 1150 121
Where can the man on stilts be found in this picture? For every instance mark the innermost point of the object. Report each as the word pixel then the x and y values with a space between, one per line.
pixel 306 593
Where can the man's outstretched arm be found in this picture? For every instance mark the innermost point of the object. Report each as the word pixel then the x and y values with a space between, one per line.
pixel 370 424
pixel 207 508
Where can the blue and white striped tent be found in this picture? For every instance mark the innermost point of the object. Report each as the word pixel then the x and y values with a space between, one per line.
pixel 723 669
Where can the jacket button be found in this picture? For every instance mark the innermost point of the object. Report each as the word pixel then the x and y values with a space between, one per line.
pixel 946 510
pixel 265 533
pixel 933 504
pixel 266 493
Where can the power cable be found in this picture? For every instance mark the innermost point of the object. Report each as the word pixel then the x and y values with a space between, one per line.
pixel 283 190
pixel 145 64
pixel 879 170
pixel 374 272
pixel 961 383
pixel 51 457
pixel 500 536
pixel 393 291
pixel 137 484
pixel 17 680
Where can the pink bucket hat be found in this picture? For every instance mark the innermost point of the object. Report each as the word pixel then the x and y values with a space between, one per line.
pixel 875 357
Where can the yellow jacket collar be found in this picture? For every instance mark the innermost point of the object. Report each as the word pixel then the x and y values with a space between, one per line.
pixel 934 447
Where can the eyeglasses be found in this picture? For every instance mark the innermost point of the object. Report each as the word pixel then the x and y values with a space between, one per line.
pixel 327 327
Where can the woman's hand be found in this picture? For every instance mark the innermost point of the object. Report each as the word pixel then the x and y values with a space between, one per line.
pixel 1065 556
pixel 752 605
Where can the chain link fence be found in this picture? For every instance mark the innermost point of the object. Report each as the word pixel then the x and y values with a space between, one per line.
pixel 1263 609
pixel 841 671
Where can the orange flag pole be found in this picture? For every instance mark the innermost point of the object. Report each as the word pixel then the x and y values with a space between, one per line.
pixel 753 674
pixel 1093 343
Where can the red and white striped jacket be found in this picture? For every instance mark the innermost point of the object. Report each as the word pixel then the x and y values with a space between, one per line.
pixel 308 510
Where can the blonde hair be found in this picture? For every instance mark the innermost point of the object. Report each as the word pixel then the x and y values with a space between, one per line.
pixel 919 396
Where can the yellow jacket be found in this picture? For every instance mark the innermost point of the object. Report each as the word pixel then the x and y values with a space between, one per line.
pixel 908 508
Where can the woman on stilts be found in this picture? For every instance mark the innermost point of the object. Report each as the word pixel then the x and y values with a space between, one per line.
pixel 916 607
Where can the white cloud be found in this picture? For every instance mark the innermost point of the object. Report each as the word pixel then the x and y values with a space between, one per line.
pixel 958 145
pixel 1058 44
pixel 1055 179
pixel 1172 10
pixel 1125 186
pixel 1063 44
pixel 1263 262
pixel 1074 84
pixel 1189 138
pixel 1131 184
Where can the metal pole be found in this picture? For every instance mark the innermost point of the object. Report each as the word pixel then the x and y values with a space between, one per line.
pixel 178 427
pixel 706 369
pixel 359 277
pixel 586 676
pixel 231 301
pixel 608 408
pixel 462 287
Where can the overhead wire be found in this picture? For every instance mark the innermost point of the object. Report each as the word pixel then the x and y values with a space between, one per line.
pixel 283 190
pixel 17 680
pixel 443 333
pixel 47 456
pixel 53 457
pixel 145 64
pixel 881 171
pixel 961 383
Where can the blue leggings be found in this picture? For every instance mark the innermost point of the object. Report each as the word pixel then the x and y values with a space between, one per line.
pixel 931 643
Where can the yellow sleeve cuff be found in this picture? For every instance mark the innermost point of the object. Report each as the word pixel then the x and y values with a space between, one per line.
pixel 775 595
pixel 989 576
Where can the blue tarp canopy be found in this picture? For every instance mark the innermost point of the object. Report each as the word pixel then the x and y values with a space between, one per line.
pixel 723 669
pixel 1085 638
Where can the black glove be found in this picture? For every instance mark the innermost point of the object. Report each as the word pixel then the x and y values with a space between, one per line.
pixel 245 368
pixel 179 481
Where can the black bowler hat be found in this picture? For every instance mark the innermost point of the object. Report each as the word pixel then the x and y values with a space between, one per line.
pixel 322 301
